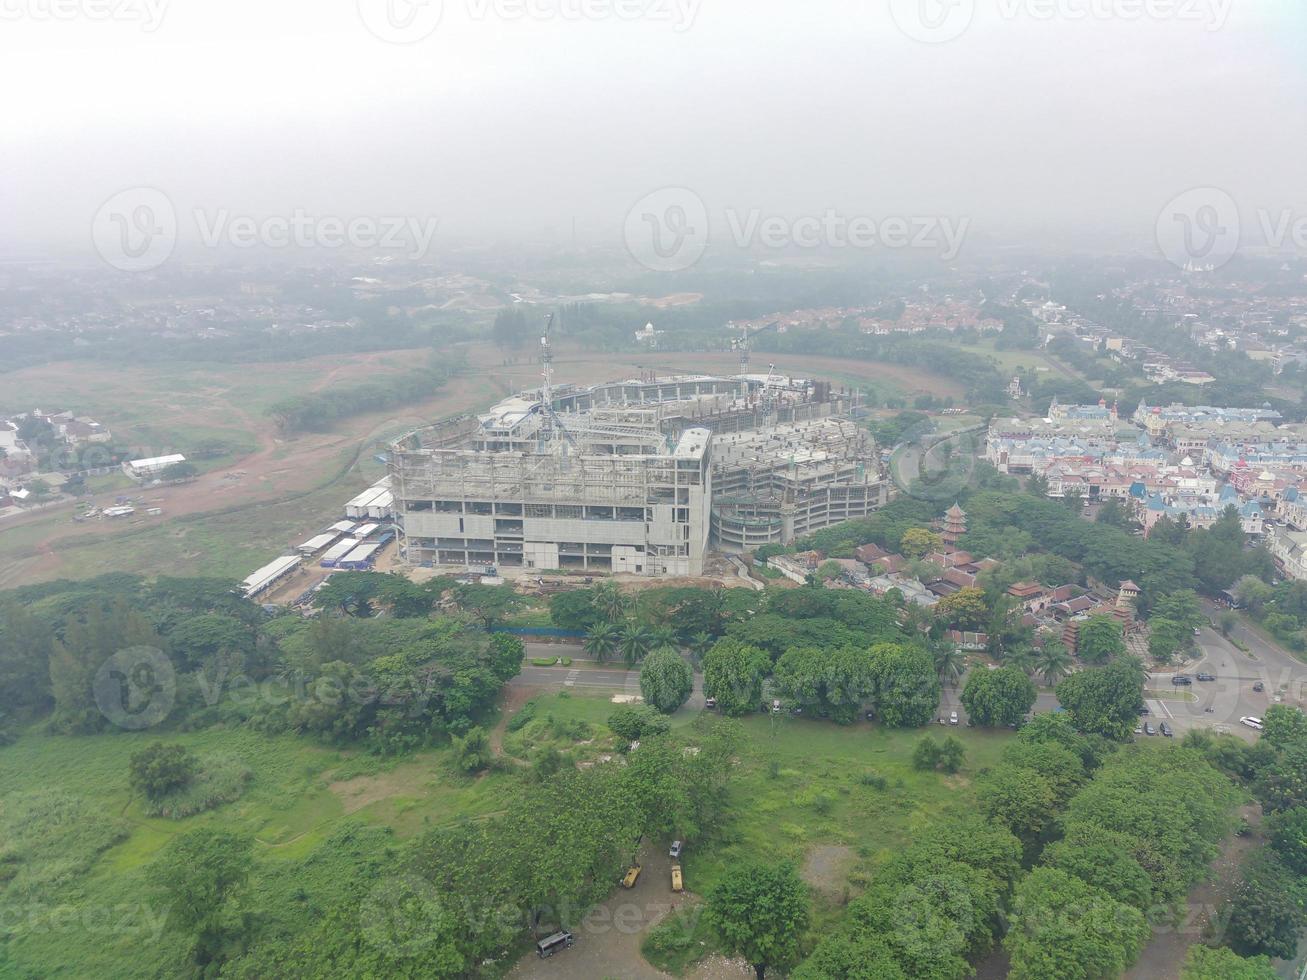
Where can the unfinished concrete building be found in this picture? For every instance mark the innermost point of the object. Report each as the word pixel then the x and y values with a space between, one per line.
pixel 634 476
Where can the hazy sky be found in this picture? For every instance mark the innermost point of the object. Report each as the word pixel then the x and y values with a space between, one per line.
pixel 515 116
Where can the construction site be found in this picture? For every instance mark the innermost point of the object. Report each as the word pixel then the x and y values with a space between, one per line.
pixel 642 476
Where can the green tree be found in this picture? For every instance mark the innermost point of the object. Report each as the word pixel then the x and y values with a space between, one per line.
pixel 1289 837
pixel 1053 662
pixel 1104 859
pixel 602 641
pixel 160 769
pixel 733 673
pixel 1099 640
pixel 926 754
pixel 635 643
pixel 952 754
pixel 610 600
pixel 760 912
pixel 666 680
pixel 907 690
pixel 1267 910
pixel 1020 800
pixel 472 752
pixel 998 698
pixel 491 604
pixel 949 662
pixel 1284 725
pixel 1220 963
pixel 200 876
pixel 1165 639
pixel 1065 928
pixel 635 722
pixel 965 609
pixel 918 542
pixel 574 610
pixel 1105 700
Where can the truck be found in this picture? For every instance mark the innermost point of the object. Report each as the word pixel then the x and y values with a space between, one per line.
pixel 632 875
pixel 677 884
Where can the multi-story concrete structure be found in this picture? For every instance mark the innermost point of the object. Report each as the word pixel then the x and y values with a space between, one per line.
pixel 634 476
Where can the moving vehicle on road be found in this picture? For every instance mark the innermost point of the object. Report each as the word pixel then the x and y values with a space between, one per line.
pixel 1259 687
pixel 1182 680
pixel 1204 676
pixel 1251 722
pixel 553 944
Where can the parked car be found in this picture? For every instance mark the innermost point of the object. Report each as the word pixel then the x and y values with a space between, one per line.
pixel 1251 722
pixel 952 717
pixel 1144 710
pixel 1139 729
pixel 1206 677
pixel 1149 729
pixel 553 944
pixel 1166 730
pixel 710 702
pixel 674 851
pixel 1259 687
pixel 1182 680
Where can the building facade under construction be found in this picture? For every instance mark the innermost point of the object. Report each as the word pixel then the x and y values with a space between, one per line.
pixel 641 476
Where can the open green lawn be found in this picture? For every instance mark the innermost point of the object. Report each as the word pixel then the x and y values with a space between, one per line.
pixel 84 908
pixel 83 839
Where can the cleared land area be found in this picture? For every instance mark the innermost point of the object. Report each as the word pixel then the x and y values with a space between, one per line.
pixel 270 492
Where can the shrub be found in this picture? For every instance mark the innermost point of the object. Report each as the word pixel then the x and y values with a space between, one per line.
pixel 220 780
pixel 925 757
pixel 159 769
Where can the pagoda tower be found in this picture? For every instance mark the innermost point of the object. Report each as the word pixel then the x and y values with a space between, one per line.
pixel 955 524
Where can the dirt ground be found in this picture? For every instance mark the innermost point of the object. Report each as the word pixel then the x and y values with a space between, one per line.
pixel 608 939
pixel 826 868
pixel 1165 952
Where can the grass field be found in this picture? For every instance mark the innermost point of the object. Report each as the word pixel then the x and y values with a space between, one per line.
pixel 83 907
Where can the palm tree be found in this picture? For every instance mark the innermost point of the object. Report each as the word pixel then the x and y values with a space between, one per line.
pixel 1054 663
pixel 1022 658
pixel 663 635
pixel 602 641
pixel 635 643
pixel 949 663
pixel 609 599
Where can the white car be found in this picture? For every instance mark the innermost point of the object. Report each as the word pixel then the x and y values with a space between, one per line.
pixel 1251 722
pixel 952 717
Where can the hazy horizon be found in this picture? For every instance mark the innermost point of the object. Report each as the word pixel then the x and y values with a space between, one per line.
pixel 1069 129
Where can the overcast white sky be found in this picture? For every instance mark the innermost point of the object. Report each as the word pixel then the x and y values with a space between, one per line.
pixel 506 126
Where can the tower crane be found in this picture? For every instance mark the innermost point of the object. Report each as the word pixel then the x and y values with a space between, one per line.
pixel 549 419
pixel 742 344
